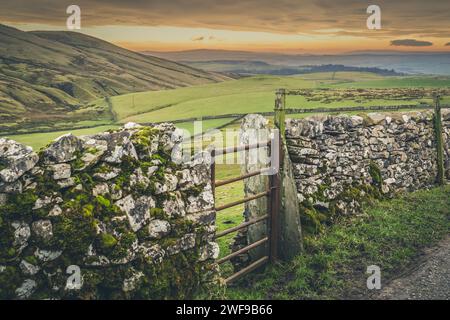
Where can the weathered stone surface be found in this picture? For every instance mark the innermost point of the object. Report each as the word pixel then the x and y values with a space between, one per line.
pixel 153 252
pixel 100 189
pixel 390 152
pixel 375 118
pixel 132 282
pixel 26 289
pixel 55 211
pixel 108 175
pixel 22 233
pixel 66 183
pixel 91 202
pixel 210 251
pixel 138 211
pixel 15 160
pixel 202 218
pixel 3 199
pixel 63 149
pixel 204 201
pixel 42 229
pixel 28 268
pixel 60 171
pixel 175 206
pixel 158 229
pixel 46 201
pixel 47 255
pixel 186 242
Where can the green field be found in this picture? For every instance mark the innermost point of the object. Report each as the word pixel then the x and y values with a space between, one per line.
pixel 255 94
pixel 242 96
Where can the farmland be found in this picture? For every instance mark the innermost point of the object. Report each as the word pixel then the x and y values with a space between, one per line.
pixel 247 95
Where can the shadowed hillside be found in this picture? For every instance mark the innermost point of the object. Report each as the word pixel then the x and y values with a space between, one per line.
pixel 47 76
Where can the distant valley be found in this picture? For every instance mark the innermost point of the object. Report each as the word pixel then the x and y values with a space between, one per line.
pixel 402 62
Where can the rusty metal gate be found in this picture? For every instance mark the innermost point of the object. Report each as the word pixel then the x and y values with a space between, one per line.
pixel 272 193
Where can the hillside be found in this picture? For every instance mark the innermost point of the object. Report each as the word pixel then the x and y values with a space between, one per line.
pixel 51 76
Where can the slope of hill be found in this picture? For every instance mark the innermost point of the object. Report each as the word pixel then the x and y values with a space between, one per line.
pixel 51 76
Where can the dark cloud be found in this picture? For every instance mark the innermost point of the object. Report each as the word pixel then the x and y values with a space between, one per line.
pixel 200 38
pixel 417 17
pixel 411 43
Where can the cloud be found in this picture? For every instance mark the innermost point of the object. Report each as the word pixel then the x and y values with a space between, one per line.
pixel 411 43
pixel 447 44
pixel 304 17
pixel 199 38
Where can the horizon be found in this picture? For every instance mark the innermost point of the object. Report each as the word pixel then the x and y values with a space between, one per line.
pixel 300 27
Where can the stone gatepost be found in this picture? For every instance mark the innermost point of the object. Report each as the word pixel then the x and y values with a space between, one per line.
pixel 254 128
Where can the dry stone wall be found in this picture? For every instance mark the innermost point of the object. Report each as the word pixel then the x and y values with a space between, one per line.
pixel 111 208
pixel 341 161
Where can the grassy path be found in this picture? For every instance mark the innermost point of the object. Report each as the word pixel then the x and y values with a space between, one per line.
pixel 391 234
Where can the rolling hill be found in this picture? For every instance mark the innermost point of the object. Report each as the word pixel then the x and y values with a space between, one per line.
pixel 51 77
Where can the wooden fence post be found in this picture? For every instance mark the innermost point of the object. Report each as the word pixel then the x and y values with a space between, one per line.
pixel 439 140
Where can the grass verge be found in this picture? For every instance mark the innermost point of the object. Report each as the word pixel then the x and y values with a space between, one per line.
pixel 391 234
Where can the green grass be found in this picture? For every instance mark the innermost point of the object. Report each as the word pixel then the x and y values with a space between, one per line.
pixel 247 95
pixel 230 217
pixel 256 94
pixel 38 140
pixel 401 82
pixel 391 235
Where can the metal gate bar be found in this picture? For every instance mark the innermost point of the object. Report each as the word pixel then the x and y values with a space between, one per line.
pixel 249 268
pixel 273 206
pixel 242 148
pixel 245 249
pixel 241 226
pixel 248 199
pixel 245 176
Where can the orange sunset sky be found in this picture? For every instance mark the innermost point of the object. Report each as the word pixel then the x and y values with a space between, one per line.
pixel 291 26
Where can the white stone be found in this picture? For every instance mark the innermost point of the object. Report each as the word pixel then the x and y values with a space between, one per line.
pixel 28 268
pixel 157 228
pixel 60 171
pixel 26 289
pixel 42 229
pixel 47 255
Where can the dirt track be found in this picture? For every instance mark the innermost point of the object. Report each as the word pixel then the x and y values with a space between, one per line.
pixel 429 280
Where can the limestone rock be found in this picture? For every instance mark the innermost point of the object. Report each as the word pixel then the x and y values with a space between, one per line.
pixel 210 251
pixel 46 201
pixel 26 289
pixel 100 189
pixel 15 160
pixel 137 211
pixel 63 149
pixel 42 229
pixel 107 175
pixel 174 206
pixel 60 171
pixel 375 118
pixel 153 252
pixel 28 268
pixel 132 282
pixel 158 229
pixel 22 233
pixel 47 255
pixel 55 211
